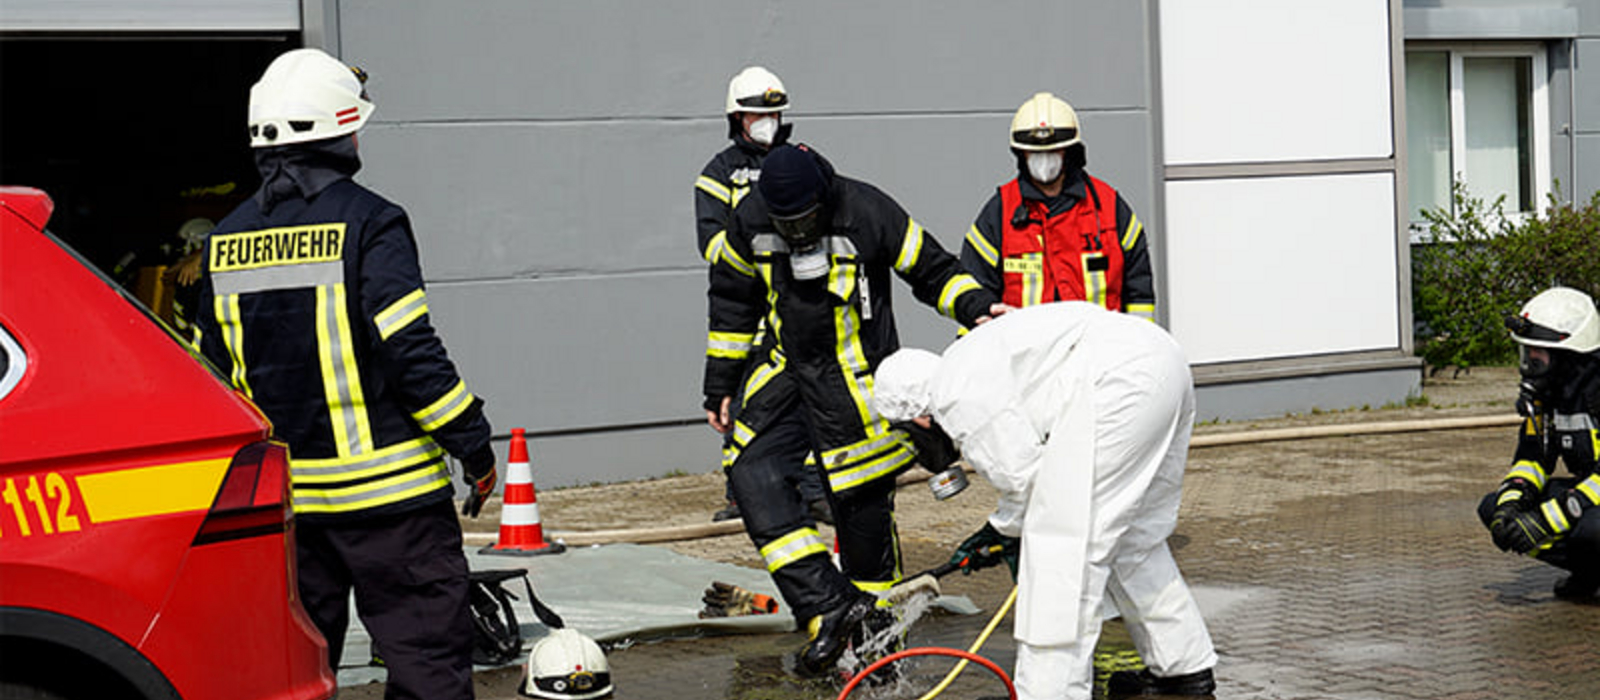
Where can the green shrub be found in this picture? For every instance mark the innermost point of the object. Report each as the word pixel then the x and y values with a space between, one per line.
pixel 1477 266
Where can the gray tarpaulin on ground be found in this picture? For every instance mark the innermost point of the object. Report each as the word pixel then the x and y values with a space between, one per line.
pixel 618 592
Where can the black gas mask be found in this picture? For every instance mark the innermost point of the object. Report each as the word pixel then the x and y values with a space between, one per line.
pixel 808 258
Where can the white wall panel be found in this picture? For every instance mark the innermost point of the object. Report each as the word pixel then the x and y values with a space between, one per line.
pixel 1280 267
pixel 1268 80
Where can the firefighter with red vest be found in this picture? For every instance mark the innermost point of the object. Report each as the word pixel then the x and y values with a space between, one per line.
pixel 1056 233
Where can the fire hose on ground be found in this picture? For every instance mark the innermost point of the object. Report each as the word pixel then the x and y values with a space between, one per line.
pixel 681 533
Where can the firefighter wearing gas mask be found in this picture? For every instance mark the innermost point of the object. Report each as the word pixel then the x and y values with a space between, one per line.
pixel 1534 512
pixel 1054 232
pixel 812 257
pixel 755 105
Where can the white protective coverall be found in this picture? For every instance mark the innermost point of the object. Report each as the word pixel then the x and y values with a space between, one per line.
pixel 1081 418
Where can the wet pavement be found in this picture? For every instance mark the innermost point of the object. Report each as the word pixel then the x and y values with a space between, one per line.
pixel 1346 568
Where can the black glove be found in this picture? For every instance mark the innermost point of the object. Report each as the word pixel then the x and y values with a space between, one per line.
pixel 986 548
pixel 478 471
pixel 1531 529
pixel 935 450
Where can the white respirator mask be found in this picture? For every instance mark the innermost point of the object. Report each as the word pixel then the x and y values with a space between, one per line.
pixel 763 130
pixel 1044 166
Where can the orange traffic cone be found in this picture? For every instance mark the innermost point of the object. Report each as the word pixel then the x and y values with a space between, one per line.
pixel 520 531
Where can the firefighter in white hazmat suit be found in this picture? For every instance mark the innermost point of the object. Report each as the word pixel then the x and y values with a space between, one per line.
pixel 1081 418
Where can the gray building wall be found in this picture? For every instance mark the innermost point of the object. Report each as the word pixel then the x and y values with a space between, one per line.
pixel 547 153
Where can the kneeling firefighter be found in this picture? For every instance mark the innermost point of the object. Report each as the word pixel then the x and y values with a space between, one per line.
pixel 1533 512
pixel 813 255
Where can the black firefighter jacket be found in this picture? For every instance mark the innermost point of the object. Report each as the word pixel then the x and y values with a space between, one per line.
pixel 316 311
pixel 831 332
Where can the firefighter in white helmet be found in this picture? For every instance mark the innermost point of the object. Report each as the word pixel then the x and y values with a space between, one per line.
pixel 1534 512
pixel 1080 418
pixel 312 304
pixel 1054 232
pixel 755 104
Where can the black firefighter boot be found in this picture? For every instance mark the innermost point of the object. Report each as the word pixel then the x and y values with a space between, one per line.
pixel 1143 682
pixel 832 632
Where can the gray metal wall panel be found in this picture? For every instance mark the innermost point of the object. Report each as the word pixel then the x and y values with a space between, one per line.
pixel 1587 179
pixel 601 60
pixel 1588 100
pixel 1286 396
pixel 524 200
pixel 1588 17
pixel 581 460
pixel 578 353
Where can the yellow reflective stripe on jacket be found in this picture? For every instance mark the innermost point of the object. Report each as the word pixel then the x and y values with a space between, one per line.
pixel 843 478
pixel 1144 311
pixel 716 189
pixel 371 494
pixel 1094 281
pixel 394 458
pixel 231 324
pixel 910 247
pixel 714 246
pixel 853 364
pixel 1528 470
pixel 957 286
pixel 1590 488
pixel 1130 236
pixel 982 246
pixel 440 412
pixel 793 547
pixel 1555 515
pixel 400 314
pixel 341 382
pixel 733 346
pixel 726 253
pixel 1030 266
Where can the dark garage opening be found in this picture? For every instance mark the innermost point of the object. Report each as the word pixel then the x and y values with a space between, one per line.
pixel 130 136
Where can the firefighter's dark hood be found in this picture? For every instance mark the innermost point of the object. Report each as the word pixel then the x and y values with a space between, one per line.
pixel 302 170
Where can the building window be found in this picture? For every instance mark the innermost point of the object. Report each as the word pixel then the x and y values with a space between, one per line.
pixel 1479 114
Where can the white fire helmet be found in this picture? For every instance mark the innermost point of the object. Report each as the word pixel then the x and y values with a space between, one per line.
pixel 1559 317
pixel 1044 123
pixel 307 95
pixel 566 665
pixel 756 89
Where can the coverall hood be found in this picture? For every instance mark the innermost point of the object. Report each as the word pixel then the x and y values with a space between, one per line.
pixel 303 170
pixel 903 384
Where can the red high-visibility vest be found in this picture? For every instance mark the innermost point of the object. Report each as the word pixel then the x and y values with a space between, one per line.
pixel 1073 256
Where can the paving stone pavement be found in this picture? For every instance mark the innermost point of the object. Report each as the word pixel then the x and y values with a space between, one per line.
pixel 1349 568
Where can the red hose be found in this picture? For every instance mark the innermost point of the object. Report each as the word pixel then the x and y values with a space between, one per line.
pixel 1011 690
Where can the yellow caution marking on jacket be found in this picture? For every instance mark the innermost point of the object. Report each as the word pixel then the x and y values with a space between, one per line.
pixel 716 189
pixel 156 490
pixel 341 382
pixel 444 410
pixel 1529 470
pixel 1031 267
pixel 910 247
pixel 401 313
pixel 982 246
pixel 1130 236
pixel 395 458
pixel 1144 311
pixel 1094 277
pixel 733 346
pixel 290 245
pixel 231 323
pixel 793 547
pixel 957 286
pixel 371 494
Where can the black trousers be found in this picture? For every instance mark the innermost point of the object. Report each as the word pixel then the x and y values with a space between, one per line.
pixel 772 508
pixel 1578 552
pixel 410 580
